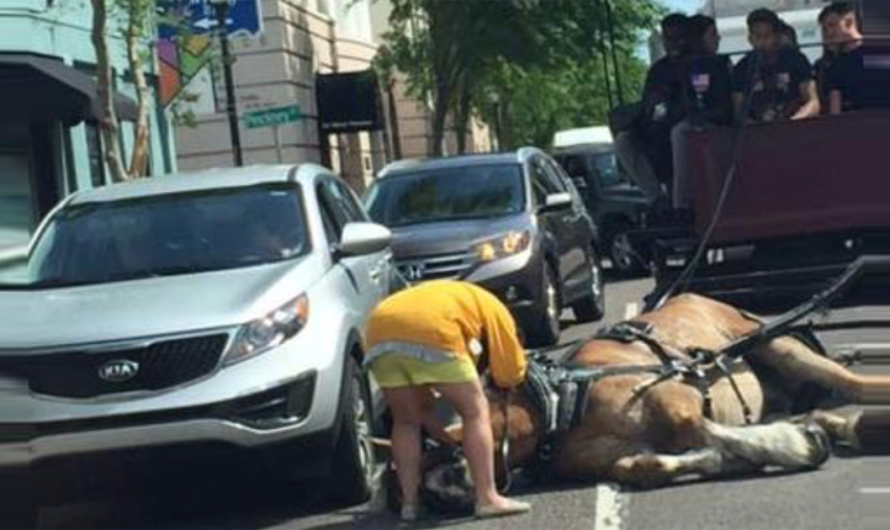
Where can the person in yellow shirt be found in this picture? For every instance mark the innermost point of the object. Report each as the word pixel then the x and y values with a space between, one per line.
pixel 430 336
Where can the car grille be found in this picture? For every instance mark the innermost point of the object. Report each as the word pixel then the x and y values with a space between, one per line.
pixel 161 365
pixel 440 266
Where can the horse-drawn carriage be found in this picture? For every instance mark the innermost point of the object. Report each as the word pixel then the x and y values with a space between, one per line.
pixel 804 200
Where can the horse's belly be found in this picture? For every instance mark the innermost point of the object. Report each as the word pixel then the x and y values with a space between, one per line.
pixel 728 408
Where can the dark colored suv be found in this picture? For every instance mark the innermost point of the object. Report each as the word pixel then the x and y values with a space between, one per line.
pixel 513 223
pixel 615 203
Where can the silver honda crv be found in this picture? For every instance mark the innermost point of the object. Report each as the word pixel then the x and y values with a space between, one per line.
pixel 221 308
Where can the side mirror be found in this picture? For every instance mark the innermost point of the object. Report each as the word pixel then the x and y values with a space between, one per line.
pixel 557 201
pixel 363 238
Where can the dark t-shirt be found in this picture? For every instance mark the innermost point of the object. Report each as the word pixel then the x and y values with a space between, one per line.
pixel 663 99
pixel 863 78
pixel 775 88
pixel 820 73
pixel 709 89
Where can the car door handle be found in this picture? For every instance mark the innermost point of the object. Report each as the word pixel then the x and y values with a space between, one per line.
pixel 375 273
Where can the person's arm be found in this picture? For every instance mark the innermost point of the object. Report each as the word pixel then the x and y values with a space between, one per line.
pixel 506 355
pixel 835 102
pixel 810 99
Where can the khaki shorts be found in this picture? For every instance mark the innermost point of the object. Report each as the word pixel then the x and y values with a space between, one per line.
pixel 393 370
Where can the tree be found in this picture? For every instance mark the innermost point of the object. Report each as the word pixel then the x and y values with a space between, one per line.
pixel 441 45
pixel 469 55
pixel 134 18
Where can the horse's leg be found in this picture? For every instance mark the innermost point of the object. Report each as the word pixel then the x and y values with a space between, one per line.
pixel 590 458
pixel 787 445
pixel 794 360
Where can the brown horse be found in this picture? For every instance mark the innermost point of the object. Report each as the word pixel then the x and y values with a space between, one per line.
pixel 644 433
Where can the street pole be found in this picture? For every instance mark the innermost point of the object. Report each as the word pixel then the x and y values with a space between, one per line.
pixel 222 12
pixel 618 88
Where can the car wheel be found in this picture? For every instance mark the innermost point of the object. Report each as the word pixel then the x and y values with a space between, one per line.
pixel 625 260
pixel 354 476
pixel 545 329
pixel 592 307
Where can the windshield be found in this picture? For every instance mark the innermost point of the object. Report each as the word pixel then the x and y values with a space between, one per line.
pixel 170 234
pixel 601 165
pixel 471 192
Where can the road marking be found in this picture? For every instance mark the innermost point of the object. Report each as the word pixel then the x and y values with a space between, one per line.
pixel 874 491
pixel 611 507
pixel 631 310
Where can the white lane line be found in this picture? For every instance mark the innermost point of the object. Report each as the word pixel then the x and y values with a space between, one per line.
pixel 631 310
pixel 611 507
pixel 874 491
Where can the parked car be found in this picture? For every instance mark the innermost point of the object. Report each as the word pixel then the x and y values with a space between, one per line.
pixel 511 222
pixel 616 204
pixel 221 309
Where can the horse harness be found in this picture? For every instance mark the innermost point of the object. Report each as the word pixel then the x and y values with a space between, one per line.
pixel 559 389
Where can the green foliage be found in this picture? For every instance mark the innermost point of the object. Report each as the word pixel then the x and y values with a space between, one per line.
pixel 540 59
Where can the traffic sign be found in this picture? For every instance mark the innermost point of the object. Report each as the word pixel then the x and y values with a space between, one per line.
pixel 273 117
pixel 244 17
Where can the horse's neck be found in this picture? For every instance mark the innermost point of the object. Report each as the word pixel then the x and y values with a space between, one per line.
pixel 523 429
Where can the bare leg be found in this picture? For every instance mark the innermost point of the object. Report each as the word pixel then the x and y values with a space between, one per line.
pixel 469 400
pixel 407 418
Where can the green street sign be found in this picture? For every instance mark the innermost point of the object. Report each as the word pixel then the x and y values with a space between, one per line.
pixel 273 117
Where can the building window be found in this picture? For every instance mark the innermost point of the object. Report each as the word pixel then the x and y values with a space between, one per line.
pixel 16 191
pixel 94 149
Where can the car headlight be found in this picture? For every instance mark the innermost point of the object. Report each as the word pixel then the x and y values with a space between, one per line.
pixel 270 331
pixel 502 246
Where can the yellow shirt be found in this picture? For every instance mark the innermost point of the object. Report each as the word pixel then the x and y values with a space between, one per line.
pixel 446 316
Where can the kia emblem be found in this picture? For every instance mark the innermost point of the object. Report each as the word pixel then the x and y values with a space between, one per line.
pixel 118 370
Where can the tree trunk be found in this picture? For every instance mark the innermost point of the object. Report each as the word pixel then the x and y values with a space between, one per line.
pixel 461 125
pixel 139 157
pixel 108 122
pixel 440 114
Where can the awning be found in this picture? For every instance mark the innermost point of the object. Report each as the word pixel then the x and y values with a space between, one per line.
pixel 42 88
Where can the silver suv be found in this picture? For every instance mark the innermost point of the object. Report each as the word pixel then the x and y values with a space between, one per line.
pixel 220 308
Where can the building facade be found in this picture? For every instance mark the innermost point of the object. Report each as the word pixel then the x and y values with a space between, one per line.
pixel 50 144
pixel 303 38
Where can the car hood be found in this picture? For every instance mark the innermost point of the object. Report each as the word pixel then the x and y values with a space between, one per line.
pixel 451 237
pixel 147 307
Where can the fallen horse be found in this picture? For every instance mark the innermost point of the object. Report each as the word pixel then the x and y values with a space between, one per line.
pixel 692 388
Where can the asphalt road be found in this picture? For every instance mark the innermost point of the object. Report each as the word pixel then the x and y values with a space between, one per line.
pixel 847 493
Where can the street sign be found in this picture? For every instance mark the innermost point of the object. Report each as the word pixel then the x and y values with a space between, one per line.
pixel 272 117
pixel 245 17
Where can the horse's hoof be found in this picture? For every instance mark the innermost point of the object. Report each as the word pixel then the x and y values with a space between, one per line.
pixel 646 471
pixel 820 443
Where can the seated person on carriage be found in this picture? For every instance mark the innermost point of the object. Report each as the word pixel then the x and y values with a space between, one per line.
pixel 778 80
pixel 855 80
pixel 643 146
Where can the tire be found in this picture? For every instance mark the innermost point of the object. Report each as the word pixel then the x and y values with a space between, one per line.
pixel 625 260
pixel 592 306
pixel 354 478
pixel 545 328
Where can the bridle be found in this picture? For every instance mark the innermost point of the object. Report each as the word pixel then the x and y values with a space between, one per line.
pixel 504 450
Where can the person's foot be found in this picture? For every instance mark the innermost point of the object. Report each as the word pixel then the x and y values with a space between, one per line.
pixel 410 513
pixel 502 508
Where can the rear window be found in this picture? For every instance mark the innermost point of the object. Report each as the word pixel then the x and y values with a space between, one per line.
pixel 602 166
pixel 473 192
